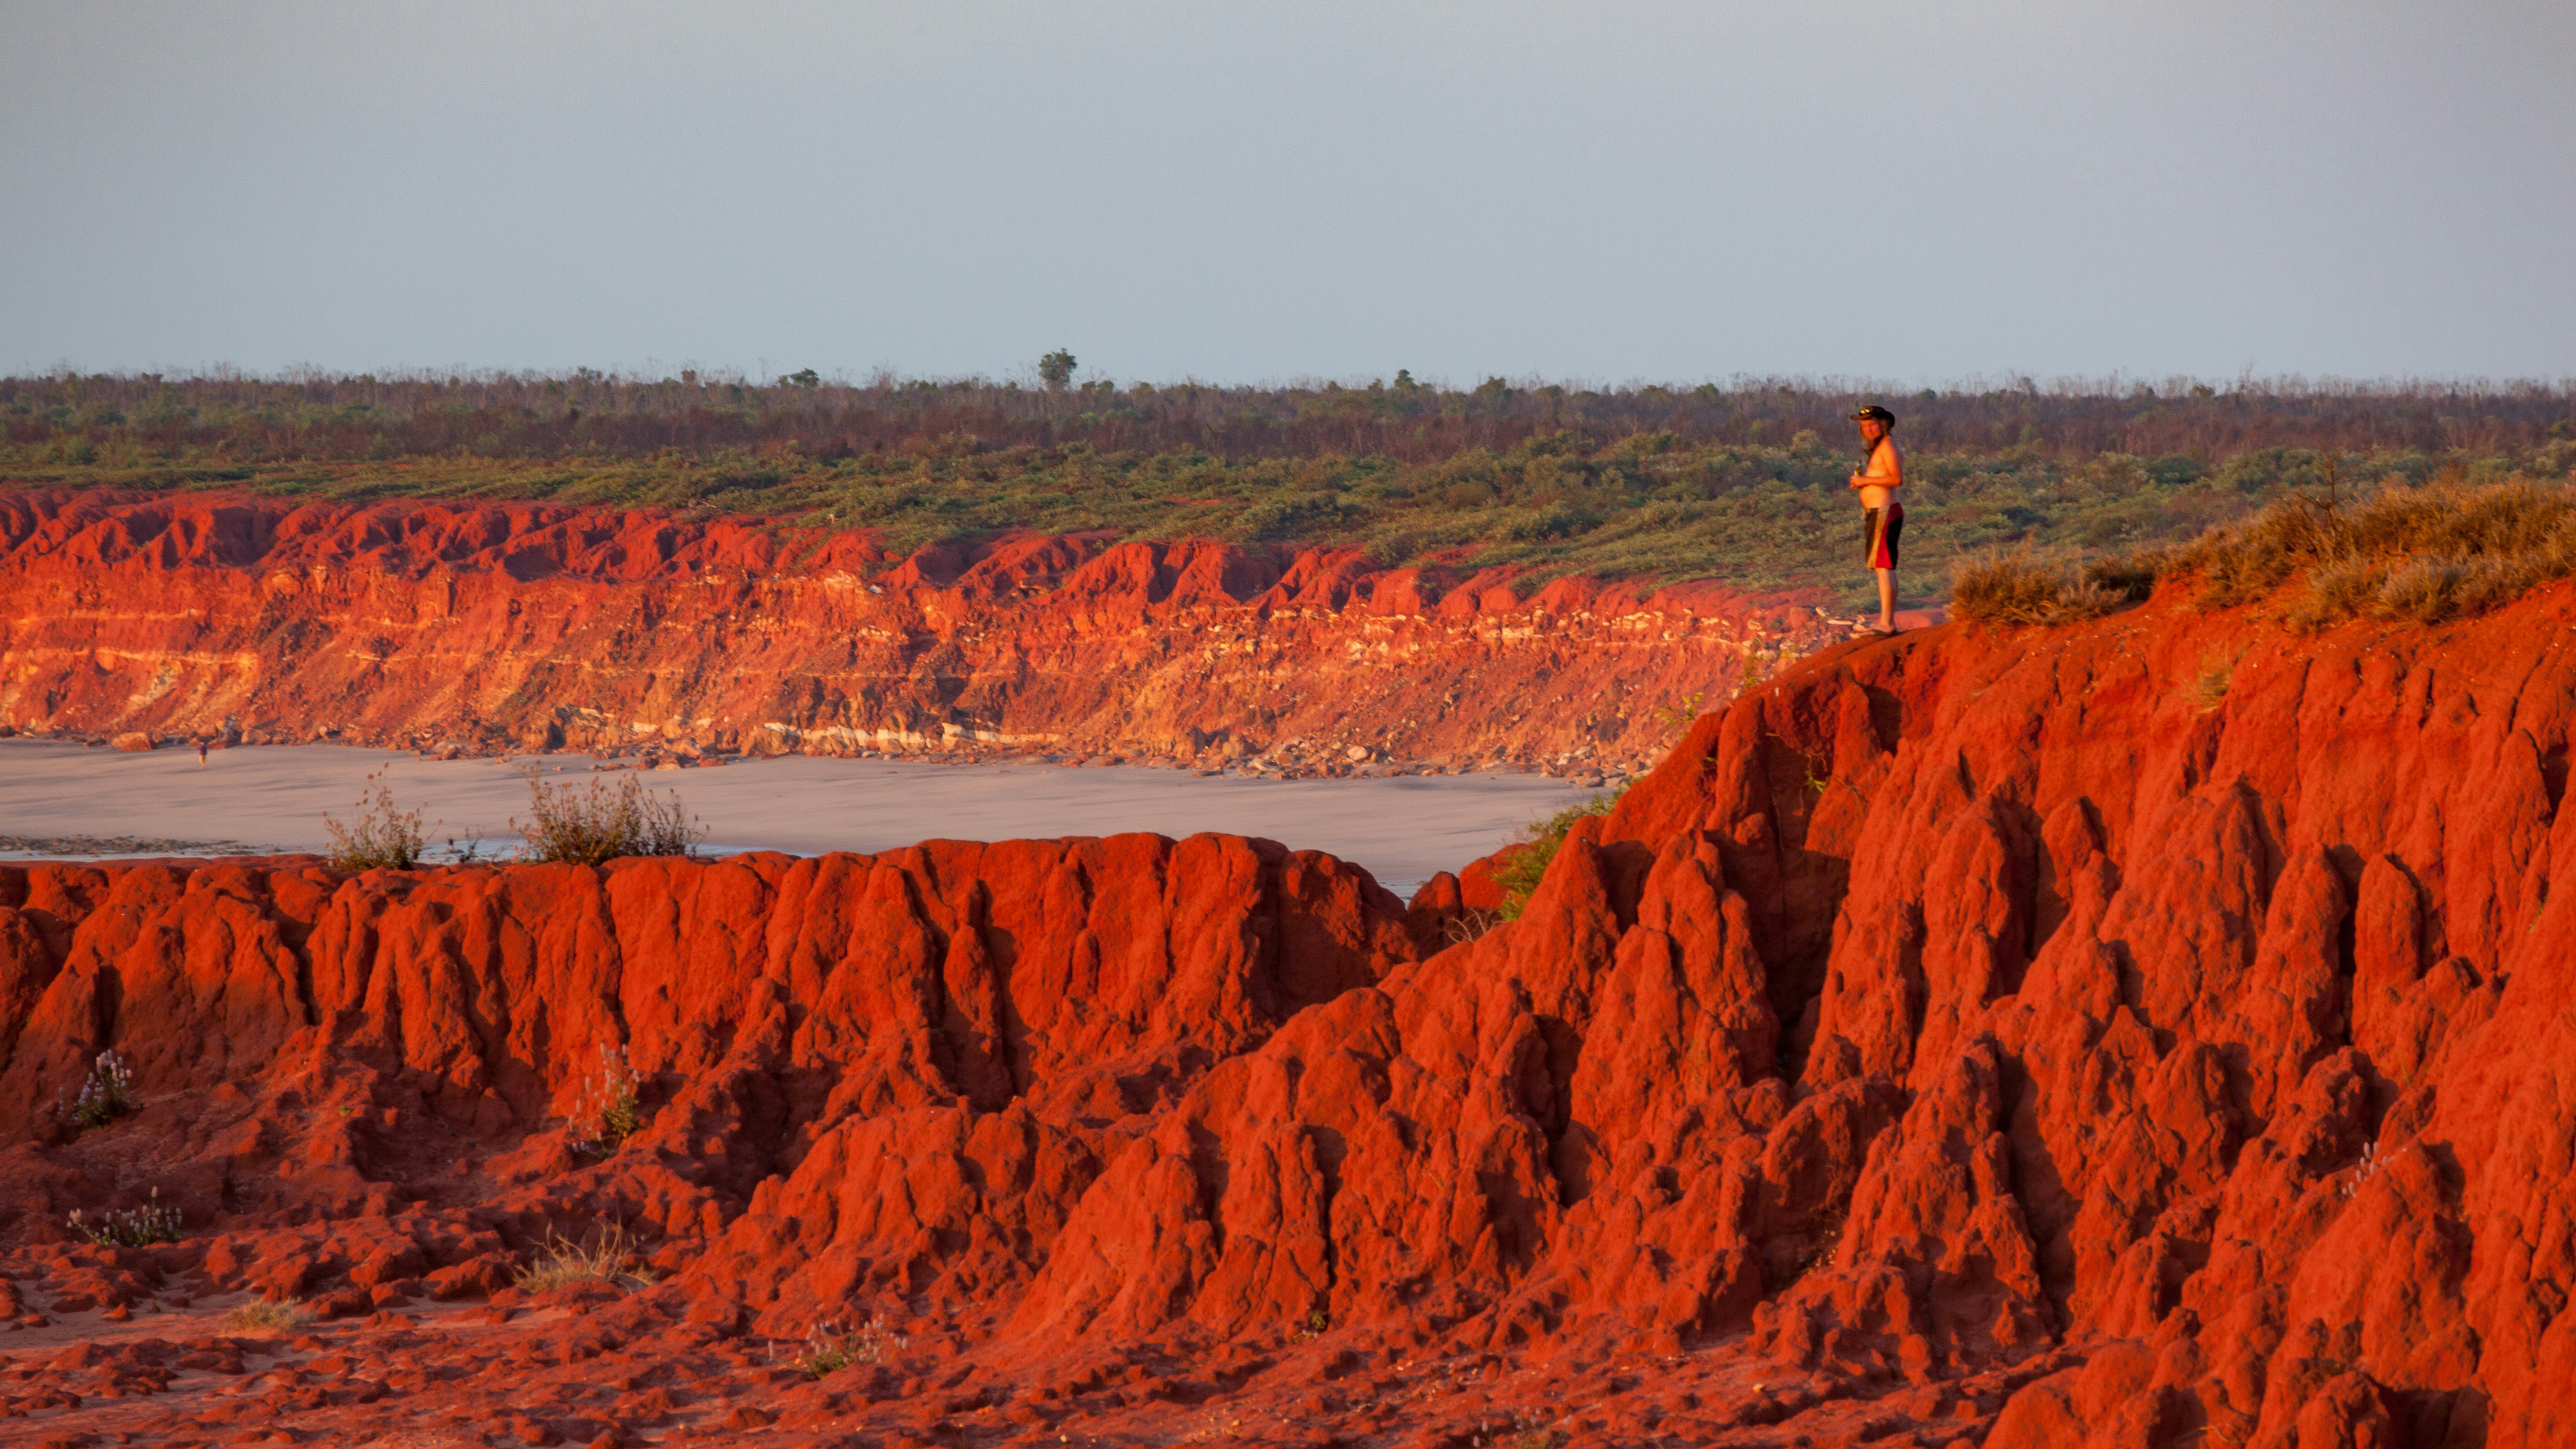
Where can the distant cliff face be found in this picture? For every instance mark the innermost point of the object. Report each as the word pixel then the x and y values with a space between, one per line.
pixel 2149 1032
pixel 524 626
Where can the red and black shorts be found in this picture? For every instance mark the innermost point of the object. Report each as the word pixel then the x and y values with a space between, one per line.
pixel 1882 528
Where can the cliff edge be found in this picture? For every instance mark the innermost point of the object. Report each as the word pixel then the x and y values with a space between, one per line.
pixel 520 626
pixel 2144 1032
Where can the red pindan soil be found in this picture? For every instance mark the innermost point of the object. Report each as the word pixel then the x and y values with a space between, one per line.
pixel 534 626
pixel 2150 1032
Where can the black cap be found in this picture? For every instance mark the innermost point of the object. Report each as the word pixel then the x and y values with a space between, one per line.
pixel 1873 413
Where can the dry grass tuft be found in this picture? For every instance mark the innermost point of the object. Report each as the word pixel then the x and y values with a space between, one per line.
pixel 562 1262
pixel 2447 550
pixel 2028 586
pixel 1469 924
pixel 280 1316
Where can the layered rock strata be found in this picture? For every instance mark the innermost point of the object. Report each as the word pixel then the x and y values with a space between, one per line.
pixel 527 626
pixel 2146 1033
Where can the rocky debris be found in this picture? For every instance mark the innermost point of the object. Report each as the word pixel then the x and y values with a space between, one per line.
pixel 1971 1037
pixel 486 629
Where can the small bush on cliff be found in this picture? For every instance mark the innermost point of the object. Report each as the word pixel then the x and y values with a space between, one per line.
pixel 832 1347
pixel 562 1261
pixel 2209 690
pixel 612 1110
pixel 2027 586
pixel 105 1095
pixel 130 1227
pixel 1520 871
pixel 384 837
pixel 284 1315
pixel 599 823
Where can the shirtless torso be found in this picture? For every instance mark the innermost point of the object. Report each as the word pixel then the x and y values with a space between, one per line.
pixel 1885 474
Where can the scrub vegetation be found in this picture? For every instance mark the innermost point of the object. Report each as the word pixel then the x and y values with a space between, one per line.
pixel 1520 870
pixel 2448 549
pixel 1743 482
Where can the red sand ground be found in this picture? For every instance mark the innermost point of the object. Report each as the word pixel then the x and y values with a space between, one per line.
pixel 531 626
pixel 2154 1032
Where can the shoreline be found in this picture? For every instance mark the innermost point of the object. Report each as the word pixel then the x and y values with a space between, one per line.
pixel 273 800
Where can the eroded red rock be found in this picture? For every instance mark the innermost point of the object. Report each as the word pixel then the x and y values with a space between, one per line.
pixel 453 626
pixel 1971 1037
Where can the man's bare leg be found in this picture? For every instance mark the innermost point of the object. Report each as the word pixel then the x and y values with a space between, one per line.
pixel 1886 600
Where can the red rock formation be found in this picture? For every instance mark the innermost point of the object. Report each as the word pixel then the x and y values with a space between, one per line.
pixel 530 625
pixel 2007 1038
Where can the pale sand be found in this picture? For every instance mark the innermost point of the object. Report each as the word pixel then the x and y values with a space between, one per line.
pixel 1402 829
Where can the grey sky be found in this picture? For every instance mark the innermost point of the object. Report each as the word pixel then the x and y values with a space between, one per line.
pixel 1238 192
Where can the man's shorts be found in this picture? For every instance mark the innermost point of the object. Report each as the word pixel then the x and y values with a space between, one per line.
pixel 1881 534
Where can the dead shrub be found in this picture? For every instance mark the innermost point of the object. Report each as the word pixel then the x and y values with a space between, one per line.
pixel 284 1315
pixel 562 1262
pixel 385 836
pixel 597 824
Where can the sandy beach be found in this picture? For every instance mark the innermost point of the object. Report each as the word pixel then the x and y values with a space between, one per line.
pixel 1403 829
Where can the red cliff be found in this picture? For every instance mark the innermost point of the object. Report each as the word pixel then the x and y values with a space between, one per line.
pixel 2151 1032
pixel 532 626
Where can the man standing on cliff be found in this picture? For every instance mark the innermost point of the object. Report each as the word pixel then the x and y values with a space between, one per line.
pixel 1881 473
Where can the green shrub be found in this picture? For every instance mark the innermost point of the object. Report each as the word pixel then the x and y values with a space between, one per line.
pixel 130 1227
pixel 106 1094
pixel 1520 870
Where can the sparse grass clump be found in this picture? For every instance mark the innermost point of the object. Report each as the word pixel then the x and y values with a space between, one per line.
pixel 285 1315
pixel 154 1222
pixel 562 1262
pixel 596 824
pixel 106 1094
pixel 1519 872
pixel 385 836
pixel 832 1347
